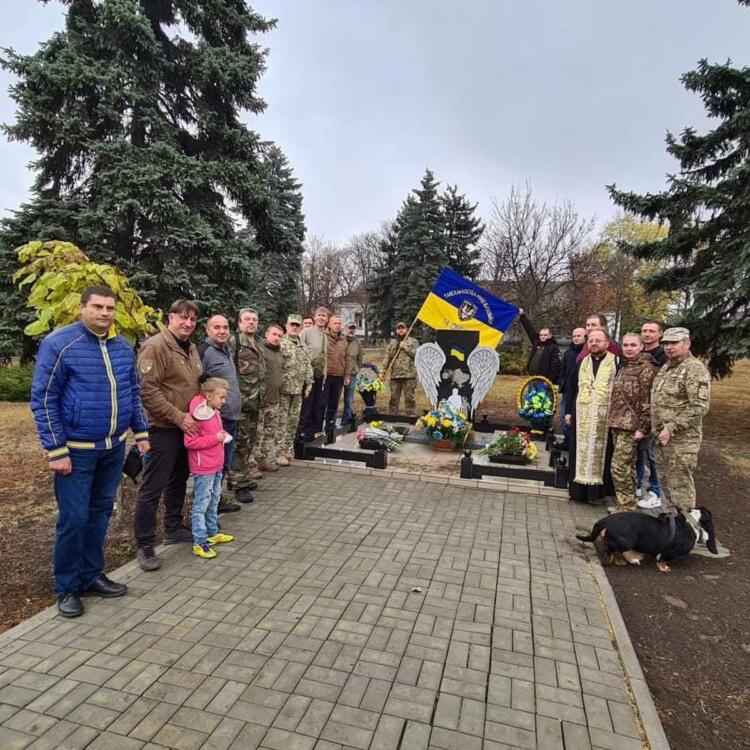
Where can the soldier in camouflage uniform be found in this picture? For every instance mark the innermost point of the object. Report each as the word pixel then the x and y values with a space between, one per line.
pixel 296 381
pixel 268 416
pixel 248 355
pixel 629 417
pixel 679 400
pixel 403 373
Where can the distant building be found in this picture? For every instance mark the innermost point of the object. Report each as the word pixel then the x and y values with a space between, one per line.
pixel 351 311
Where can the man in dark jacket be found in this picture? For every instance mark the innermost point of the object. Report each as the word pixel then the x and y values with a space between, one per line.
pixel 85 396
pixel 577 339
pixel 219 363
pixel 544 359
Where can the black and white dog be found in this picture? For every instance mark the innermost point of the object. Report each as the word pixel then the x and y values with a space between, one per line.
pixel 631 536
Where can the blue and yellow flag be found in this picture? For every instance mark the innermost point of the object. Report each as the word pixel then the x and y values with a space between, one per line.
pixel 456 302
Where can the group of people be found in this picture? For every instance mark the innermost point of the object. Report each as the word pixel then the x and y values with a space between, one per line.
pixel 626 407
pixel 227 411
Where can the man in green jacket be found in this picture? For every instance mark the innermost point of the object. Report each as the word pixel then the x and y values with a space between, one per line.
pixel 249 357
pixel 354 352
pixel 401 351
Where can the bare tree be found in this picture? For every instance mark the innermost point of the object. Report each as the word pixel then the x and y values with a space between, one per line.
pixel 323 274
pixel 362 256
pixel 528 247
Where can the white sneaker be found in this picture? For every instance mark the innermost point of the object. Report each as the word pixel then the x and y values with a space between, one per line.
pixel 651 501
pixel 638 493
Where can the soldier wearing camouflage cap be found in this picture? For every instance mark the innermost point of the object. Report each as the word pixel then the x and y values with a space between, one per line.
pixel 296 382
pixel 679 400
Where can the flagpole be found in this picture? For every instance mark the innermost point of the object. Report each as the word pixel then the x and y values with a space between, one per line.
pixel 387 372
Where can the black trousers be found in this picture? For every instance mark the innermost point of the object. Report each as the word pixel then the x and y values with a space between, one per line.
pixel 166 473
pixel 312 412
pixel 331 395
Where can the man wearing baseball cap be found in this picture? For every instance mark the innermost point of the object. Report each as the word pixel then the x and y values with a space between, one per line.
pixel 679 400
pixel 354 352
pixel 296 382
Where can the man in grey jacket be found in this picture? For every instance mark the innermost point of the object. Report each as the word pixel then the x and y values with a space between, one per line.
pixel 218 363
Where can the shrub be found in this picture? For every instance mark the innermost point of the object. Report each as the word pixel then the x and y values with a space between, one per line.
pixel 512 360
pixel 15 383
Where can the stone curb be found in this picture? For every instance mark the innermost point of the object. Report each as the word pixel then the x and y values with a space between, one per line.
pixel 650 721
pixel 515 486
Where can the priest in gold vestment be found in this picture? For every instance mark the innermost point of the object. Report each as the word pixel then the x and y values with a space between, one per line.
pixel 589 388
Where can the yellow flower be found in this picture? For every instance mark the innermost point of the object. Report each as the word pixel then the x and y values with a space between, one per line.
pixel 447 423
pixel 431 421
pixel 375 424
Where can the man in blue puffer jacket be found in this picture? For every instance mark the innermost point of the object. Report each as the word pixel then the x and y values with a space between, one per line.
pixel 85 396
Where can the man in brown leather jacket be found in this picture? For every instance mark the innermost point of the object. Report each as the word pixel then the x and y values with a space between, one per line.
pixel 169 367
pixel 630 416
pixel 338 369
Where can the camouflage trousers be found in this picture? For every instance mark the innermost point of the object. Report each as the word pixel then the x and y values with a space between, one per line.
pixel 268 429
pixel 623 467
pixel 409 387
pixel 289 411
pixel 676 462
pixel 243 460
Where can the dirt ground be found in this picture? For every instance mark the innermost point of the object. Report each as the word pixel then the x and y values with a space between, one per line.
pixel 690 627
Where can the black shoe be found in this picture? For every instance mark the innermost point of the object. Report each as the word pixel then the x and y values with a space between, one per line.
pixel 226 507
pixel 251 486
pixel 244 495
pixel 69 605
pixel 178 537
pixel 106 588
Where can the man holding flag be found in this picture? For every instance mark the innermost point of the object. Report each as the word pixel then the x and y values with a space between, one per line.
pixel 399 360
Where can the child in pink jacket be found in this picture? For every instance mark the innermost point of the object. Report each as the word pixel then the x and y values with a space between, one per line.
pixel 206 459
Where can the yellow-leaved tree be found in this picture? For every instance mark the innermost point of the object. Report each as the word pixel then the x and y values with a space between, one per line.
pixel 57 272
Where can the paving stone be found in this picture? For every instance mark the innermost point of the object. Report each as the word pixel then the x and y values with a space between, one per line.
pixel 109 741
pixel 10 739
pixel 307 634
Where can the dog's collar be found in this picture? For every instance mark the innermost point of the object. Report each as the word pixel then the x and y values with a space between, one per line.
pixel 672 532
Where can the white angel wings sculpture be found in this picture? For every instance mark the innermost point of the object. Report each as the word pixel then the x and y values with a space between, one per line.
pixel 483 364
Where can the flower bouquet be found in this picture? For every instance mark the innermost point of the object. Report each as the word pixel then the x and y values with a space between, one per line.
pixel 512 447
pixel 378 435
pixel 446 427
pixel 536 401
pixel 369 384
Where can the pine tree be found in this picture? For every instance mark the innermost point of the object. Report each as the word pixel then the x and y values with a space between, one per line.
pixel 707 207
pixel 463 229
pixel 382 303
pixel 277 243
pixel 419 248
pixel 431 231
pixel 143 162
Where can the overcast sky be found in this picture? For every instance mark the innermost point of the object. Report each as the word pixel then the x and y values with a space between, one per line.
pixel 364 94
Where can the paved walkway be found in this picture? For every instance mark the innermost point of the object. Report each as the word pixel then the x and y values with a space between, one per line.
pixel 352 612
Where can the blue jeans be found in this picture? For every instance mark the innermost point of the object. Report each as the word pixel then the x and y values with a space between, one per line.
pixel 230 426
pixel 640 470
pixel 563 409
pixel 206 494
pixel 85 498
pixel 349 400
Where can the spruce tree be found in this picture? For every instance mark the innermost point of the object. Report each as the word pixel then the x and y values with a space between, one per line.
pixel 431 231
pixel 143 161
pixel 707 207
pixel 420 248
pixel 382 300
pixel 463 229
